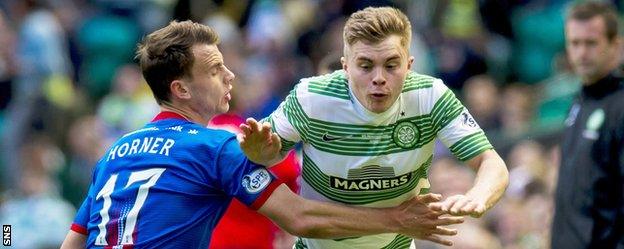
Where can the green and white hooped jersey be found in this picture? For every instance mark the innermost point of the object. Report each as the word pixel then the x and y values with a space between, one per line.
pixel 357 157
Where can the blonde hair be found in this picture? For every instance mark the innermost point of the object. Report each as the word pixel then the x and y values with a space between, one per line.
pixel 375 24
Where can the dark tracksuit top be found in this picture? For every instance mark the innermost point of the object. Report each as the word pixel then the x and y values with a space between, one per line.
pixel 589 202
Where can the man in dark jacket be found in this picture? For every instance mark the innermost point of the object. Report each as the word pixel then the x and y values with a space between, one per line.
pixel 589 204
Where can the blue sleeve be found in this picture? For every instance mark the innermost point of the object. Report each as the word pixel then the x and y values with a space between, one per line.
pixel 248 182
pixel 82 216
pixel 81 220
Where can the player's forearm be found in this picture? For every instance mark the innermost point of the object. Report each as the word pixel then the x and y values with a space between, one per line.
pixel 313 219
pixel 275 160
pixel 324 220
pixel 491 181
pixel 74 240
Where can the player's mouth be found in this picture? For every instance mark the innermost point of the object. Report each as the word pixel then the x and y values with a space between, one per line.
pixel 227 97
pixel 378 96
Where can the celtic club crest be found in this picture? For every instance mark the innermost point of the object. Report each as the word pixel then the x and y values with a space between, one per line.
pixel 405 134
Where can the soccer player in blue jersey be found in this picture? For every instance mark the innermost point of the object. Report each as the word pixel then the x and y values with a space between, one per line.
pixel 166 185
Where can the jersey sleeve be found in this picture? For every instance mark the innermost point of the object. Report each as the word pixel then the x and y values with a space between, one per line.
pixel 287 121
pixel 81 220
pixel 456 128
pixel 82 217
pixel 248 182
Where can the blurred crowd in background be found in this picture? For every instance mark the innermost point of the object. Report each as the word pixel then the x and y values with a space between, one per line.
pixel 69 86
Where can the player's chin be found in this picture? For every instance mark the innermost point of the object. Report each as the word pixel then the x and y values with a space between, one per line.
pixel 224 108
pixel 378 107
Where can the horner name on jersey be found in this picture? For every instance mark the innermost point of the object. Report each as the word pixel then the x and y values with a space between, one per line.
pixel 150 145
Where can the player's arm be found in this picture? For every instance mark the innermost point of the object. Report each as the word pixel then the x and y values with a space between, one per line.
pixel 258 189
pixel 461 133
pixel 313 219
pixel 489 185
pixel 74 240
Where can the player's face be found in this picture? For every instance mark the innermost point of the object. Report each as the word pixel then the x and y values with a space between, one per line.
pixel 211 82
pixel 589 50
pixel 376 72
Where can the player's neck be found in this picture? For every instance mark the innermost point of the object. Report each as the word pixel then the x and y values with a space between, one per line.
pixel 188 114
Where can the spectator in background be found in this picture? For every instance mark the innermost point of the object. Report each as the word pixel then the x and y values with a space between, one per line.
pixel 42 59
pixel 530 174
pixel 38 214
pixel 481 96
pixel 329 64
pixel 516 112
pixel 448 177
pixel 87 143
pixel 7 78
pixel 7 62
pixel 129 105
pixel 555 96
pixel 106 41
pixel 589 203
pixel 538 37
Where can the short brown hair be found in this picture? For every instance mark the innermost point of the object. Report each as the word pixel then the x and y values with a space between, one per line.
pixel 374 24
pixel 584 11
pixel 166 54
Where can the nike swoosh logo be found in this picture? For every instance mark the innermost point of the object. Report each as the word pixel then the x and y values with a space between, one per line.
pixel 328 138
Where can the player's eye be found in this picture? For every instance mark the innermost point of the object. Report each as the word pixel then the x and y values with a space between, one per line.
pixel 214 71
pixel 392 66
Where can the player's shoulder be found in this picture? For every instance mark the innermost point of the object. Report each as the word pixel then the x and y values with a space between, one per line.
pixel 185 132
pixel 421 82
pixel 332 85
pixel 420 87
pixel 203 143
pixel 614 103
pixel 209 135
pixel 338 76
pixel 620 90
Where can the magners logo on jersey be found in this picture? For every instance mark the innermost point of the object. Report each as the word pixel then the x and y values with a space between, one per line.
pixel 371 177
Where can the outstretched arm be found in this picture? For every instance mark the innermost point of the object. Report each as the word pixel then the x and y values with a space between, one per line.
pixel 74 240
pixel 490 184
pixel 313 219
pixel 259 144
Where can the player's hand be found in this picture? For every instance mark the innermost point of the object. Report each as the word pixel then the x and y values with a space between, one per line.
pixel 460 205
pixel 421 222
pixel 258 143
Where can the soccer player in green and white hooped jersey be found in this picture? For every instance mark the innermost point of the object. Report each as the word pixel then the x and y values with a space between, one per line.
pixel 368 130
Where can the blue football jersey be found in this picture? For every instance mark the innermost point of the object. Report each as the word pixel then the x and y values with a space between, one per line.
pixel 167 185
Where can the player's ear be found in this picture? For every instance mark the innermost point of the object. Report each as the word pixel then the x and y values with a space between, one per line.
pixel 410 61
pixel 180 89
pixel 343 61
